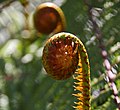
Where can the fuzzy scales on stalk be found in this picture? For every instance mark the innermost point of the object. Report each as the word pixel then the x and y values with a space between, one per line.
pixel 63 55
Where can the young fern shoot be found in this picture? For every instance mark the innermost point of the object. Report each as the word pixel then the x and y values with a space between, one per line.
pixel 63 55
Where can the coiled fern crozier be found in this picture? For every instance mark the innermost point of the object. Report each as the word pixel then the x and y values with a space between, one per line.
pixel 63 55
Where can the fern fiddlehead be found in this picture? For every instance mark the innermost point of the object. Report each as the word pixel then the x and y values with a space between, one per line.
pixel 49 18
pixel 63 55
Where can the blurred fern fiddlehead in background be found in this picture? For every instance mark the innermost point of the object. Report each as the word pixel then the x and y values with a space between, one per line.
pixel 49 18
pixel 63 55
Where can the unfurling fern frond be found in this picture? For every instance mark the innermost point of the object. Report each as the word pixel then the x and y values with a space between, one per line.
pixel 63 55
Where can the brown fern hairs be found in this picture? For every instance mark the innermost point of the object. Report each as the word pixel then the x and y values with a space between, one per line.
pixel 63 55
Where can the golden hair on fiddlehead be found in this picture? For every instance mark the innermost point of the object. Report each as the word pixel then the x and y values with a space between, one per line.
pixel 63 55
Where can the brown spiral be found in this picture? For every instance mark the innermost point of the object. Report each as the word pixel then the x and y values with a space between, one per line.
pixel 49 18
pixel 63 55
pixel 60 57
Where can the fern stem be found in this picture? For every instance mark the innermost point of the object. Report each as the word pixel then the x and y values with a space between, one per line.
pixel 106 63
pixel 82 76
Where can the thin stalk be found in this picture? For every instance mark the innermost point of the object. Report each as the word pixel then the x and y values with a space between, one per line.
pixel 82 76
pixel 106 63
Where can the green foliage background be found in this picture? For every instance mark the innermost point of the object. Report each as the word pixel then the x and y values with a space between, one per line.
pixel 24 84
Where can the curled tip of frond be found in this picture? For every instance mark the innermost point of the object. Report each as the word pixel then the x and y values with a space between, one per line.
pixel 60 56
